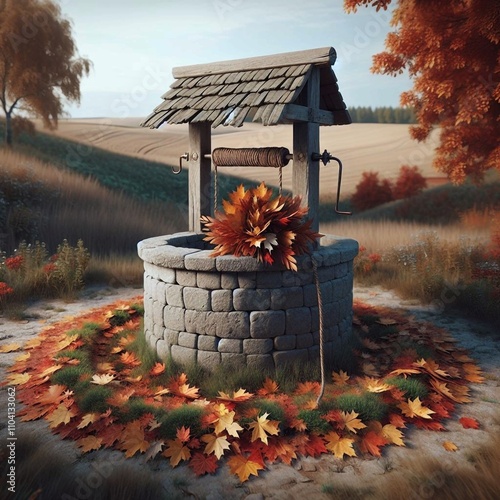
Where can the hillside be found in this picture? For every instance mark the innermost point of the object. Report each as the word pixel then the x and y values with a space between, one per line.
pixel 360 146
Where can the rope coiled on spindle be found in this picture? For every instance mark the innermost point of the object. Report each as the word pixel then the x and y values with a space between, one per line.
pixel 251 157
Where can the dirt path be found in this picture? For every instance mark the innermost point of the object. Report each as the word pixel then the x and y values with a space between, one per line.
pixel 312 478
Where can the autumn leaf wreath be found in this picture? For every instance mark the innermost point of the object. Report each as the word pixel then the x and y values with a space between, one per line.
pixel 254 223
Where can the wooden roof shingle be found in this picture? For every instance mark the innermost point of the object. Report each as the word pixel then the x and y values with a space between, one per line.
pixel 261 88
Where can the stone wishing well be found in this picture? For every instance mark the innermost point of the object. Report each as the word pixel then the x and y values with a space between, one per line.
pixel 237 310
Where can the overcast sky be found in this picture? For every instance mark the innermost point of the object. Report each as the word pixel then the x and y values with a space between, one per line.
pixel 134 44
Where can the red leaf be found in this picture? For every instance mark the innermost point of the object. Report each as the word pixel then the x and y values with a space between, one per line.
pixel 203 464
pixel 469 423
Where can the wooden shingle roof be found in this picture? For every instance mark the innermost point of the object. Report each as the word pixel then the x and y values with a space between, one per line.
pixel 264 89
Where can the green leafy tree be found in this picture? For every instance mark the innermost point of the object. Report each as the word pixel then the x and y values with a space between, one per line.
pixel 39 64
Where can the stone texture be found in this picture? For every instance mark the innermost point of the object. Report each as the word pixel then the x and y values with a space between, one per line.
pixel 174 318
pixel 229 281
pixel 196 322
pixel 196 298
pixel 298 320
pixel 271 279
pixel 167 256
pixel 171 336
pixel 285 342
pixel 209 281
pixel 231 325
pixel 222 300
pixel 163 349
pixel 186 278
pixel 257 346
pixel 188 340
pixel 232 359
pixel 207 343
pixel 200 261
pixel 267 324
pixel 247 280
pixel 209 360
pixel 183 355
pixel 230 345
pixel 251 300
pixel 174 295
pixel 263 362
pixel 284 298
pixel 341 270
pixel 164 274
pixel 283 358
pixel 304 341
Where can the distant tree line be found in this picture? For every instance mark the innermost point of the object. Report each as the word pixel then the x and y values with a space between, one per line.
pixel 363 114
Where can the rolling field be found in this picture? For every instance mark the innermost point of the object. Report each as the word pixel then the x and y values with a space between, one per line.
pixel 361 147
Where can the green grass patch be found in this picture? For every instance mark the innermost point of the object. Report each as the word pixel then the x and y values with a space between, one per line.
pixel 94 399
pixel 412 387
pixel 369 406
pixel 70 376
pixel 314 421
pixel 187 416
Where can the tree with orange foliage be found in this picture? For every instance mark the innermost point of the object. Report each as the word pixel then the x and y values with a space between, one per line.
pixel 450 50
pixel 39 67
pixel 371 191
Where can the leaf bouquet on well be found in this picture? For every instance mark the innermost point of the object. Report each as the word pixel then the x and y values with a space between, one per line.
pixel 257 225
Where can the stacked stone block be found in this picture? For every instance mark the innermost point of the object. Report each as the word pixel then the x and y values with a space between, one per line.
pixel 212 311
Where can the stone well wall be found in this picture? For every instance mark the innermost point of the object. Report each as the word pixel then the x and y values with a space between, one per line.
pixel 205 310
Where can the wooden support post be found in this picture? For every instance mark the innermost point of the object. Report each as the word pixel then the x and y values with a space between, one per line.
pixel 305 176
pixel 199 173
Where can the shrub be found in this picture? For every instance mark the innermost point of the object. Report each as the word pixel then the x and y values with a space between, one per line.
pixel 31 273
pixel 371 192
pixel 409 183
pixel 314 421
pixel 94 399
pixel 273 408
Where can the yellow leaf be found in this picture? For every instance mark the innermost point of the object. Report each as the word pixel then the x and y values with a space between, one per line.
pixel 226 423
pixel 176 451
pixel 102 379
pixel 104 367
pixel 215 444
pixel 340 378
pixel 243 467
pixel 9 348
pixel 405 372
pixel 32 343
pixel 239 395
pixel 393 435
pixel 61 415
pixel 18 378
pixel 375 385
pixel 23 357
pixel 413 408
pixel 351 422
pixel 49 371
pixel 262 427
pixel 61 345
pixel 339 446
pixel 449 446
pixel 89 443
pixel 88 419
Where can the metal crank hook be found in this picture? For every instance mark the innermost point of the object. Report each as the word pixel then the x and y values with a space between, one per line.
pixel 325 157
pixel 185 156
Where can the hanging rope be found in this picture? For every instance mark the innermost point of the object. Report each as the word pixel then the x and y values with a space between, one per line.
pixel 251 157
pixel 321 330
pixel 216 188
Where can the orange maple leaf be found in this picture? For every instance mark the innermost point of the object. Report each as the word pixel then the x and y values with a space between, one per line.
pixel 176 451
pixel 371 443
pixel 89 443
pixel 339 446
pixel 133 440
pixel 157 369
pixel 129 359
pixel 183 434
pixel 340 378
pixel 244 467
pixel 269 387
